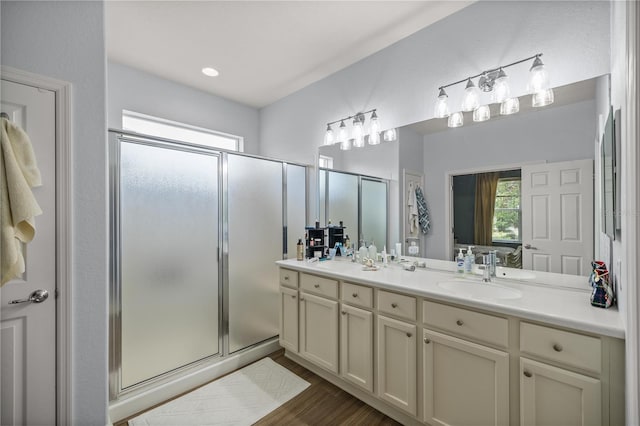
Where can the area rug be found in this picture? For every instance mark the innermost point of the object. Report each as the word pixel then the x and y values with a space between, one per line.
pixel 241 398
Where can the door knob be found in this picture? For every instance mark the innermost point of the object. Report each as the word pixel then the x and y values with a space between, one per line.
pixel 37 296
pixel 530 247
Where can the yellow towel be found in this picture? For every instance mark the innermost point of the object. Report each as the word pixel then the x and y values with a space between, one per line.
pixel 18 207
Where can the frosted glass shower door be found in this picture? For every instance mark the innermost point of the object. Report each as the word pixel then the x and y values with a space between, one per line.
pixel 296 206
pixel 168 213
pixel 343 202
pixel 254 188
pixel 374 212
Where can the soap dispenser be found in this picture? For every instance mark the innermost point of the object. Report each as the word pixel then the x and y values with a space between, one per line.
pixel 460 261
pixel 373 251
pixel 469 261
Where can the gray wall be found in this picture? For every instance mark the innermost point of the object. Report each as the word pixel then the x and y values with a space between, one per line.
pixel 401 81
pixel 549 134
pixel 135 90
pixel 65 40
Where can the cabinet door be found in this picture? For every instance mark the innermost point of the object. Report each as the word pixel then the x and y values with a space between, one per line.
pixel 289 319
pixel 464 383
pixel 397 363
pixel 356 346
pixel 319 330
pixel 555 396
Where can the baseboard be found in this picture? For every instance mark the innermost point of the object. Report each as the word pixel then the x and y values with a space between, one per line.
pixel 141 401
pixel 362 395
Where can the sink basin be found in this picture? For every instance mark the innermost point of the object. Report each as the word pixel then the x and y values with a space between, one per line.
pixel 480 290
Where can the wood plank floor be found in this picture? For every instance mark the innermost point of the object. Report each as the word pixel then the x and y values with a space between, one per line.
pixel 322 403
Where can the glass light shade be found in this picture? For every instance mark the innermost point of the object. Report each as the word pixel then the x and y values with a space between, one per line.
pixel 542 98
pixel 482 113
pixel 442 107
pixel 342 133
pixel 374 130
pixel 509 106
pixel 471 98
pixel 357 133
pixel 329 136
pixel 538 77
pixel 389 135
pixel 456 119
pixel 501 89
pixel 346 145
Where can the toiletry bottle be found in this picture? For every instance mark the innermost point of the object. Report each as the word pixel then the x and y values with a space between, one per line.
pixel 460 262
pixel 363 253
pixel 469 261
pixel 300 250
pixel 373 252
pixel 347 243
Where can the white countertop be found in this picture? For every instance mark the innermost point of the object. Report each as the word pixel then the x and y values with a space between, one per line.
pixel 562 306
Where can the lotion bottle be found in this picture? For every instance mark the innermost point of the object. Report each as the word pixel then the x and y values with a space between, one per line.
pixel 469 261
pixel 460 262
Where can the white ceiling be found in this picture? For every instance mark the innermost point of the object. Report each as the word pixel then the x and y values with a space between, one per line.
pixel 264 50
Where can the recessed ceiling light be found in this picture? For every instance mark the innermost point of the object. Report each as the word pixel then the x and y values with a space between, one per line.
pixel 211 72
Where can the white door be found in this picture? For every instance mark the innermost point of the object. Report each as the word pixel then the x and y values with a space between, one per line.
pixel 28 329
pixel 557 217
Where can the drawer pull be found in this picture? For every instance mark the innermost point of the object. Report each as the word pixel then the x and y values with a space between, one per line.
pixel 394 305
pixel 409 334
pixel 316 285
pixel 459 322
pixel 293 296
pixel 527 374
pixel 355 295
pixel 557 347
pixel 344 312
pixel 427 341
pixel 286 278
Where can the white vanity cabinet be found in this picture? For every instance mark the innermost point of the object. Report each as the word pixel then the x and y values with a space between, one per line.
pixel 356 335
pixel 289 309
pixel 396 350
pixel 459 373
pixel 319 321
pixel 555 394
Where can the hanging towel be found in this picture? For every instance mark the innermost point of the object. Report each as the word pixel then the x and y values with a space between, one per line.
pixel 18 207
pixel 423 212
pixel 412 207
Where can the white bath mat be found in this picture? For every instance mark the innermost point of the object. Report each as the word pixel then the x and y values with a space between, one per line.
pixel 241 398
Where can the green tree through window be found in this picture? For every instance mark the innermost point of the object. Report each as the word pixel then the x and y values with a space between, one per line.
pixel 507 217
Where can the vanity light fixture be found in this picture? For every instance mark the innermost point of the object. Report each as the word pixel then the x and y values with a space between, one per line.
pixel 495 81
pixel 360 135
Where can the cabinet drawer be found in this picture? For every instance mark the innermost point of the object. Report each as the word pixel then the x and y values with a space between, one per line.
pixel 319 285
pixel 569 348
pixel 483 327
pixel 397 304
pixel 357 295
pixel 288 278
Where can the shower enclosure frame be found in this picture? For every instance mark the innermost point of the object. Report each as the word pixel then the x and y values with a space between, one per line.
pixel 116 136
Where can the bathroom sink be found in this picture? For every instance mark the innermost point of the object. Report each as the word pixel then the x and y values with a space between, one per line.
pixel 480 290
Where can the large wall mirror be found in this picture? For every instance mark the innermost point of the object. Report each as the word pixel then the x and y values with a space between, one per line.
pixel 544 167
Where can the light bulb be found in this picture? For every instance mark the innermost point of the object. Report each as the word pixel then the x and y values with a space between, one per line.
pixel 501 90
pixel 538 77
pixel 389 135
pixel 471 97
pixel 342 133
pixel 442 107
pixel 509 106
pixel 374 129
pixel 542 98
pixel 329 136
pixel 482 113
pixel 357 132
pixel 456 119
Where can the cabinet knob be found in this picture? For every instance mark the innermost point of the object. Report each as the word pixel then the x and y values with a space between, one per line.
pixel 286 278
pixel 460 322
pixel 355 295
pixel 427 341
pixel 409 334
pixel 316 285
pixel 344 312
pixel 557 347
pixel 394 305
pixel 527 374
pixel 293 296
